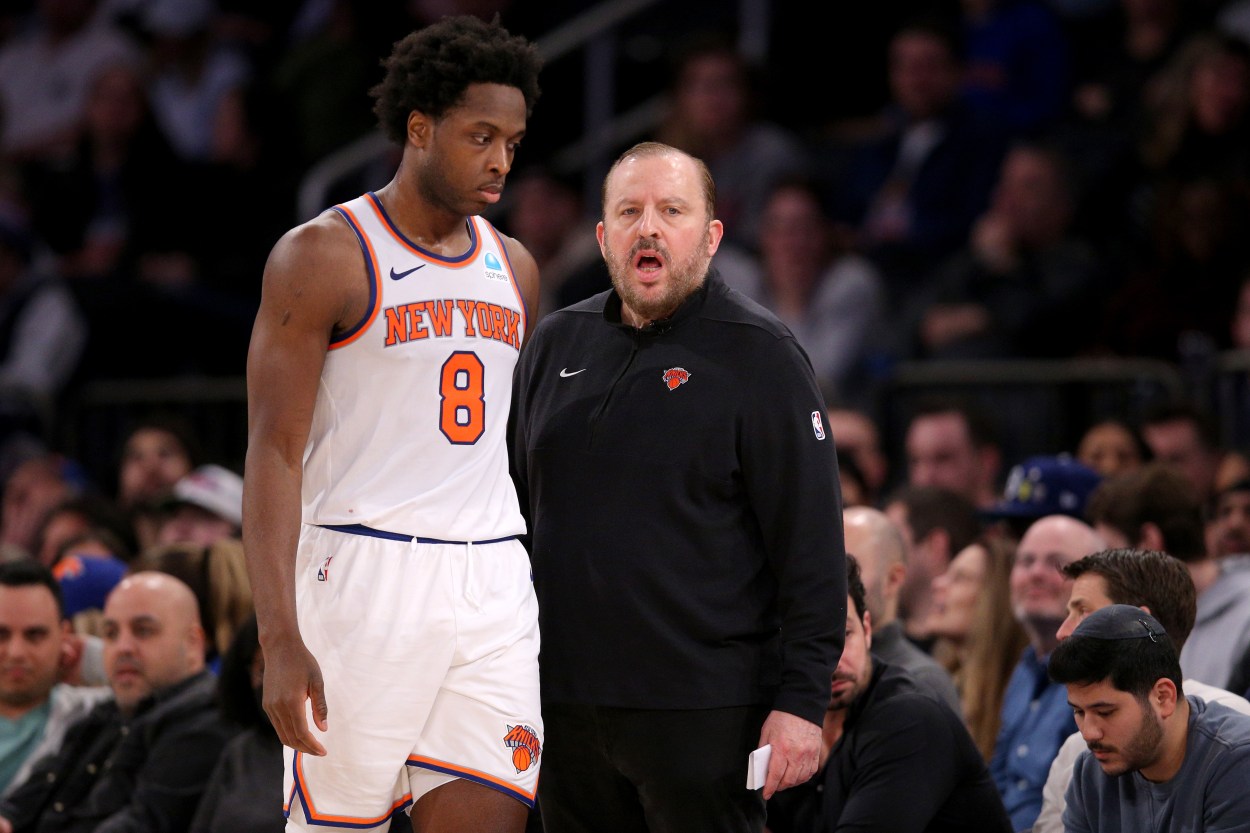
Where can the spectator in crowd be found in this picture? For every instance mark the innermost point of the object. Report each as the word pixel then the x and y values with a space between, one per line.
pixel 1016 64
pixel 1158 584
pixel 881 730
pixel 1158 760
pixel 1229 530
pixel 46 72
pixel 1185 437
pixel 42 332
pixel 545 212
pixel 954 445
pixel 34 488
pixel 977 637
pixel 89 512
pixel 1023 267
pixel 142 759
pixel 35 648
pixel 156 453
pixel 1198 112
pixel 1156 509
pixel 241 792
pixel 88 567
pixel 204 507
pixel 850 481
pixel 1036 715
pixel 833 302
pixel 882 557
pixel 1040 486
pixel 217 575
pixel 713 114
pixel 937 524
pixel 858 437
pixel 909 196
pixel 1112 446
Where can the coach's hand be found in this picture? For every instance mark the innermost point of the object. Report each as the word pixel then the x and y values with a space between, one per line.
pixel 291 677
pixel 796 751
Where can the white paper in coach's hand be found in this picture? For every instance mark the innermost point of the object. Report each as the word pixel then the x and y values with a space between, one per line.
pixel 757 767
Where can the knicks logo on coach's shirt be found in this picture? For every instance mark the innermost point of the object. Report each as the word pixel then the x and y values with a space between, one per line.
pixel 437 319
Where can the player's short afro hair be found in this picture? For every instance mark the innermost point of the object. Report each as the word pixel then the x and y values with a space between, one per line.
pixel 430 69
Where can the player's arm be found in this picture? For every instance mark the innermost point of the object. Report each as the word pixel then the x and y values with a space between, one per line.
pixel 525 268
pixel 304 296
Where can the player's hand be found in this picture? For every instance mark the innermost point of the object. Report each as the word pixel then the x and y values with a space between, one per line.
pixel 291 677
pixel 796 751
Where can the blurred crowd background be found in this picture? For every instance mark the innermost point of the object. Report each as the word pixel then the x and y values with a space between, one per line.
pixel 1040 205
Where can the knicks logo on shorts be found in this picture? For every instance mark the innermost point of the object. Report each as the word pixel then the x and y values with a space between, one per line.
pixel 675 377
pixel 525 746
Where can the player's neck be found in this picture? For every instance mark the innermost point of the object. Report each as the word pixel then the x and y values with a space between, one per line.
pixel 428 226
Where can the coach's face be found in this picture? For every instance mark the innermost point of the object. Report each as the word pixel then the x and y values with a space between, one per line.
pixel 1122 732
pixel 656 236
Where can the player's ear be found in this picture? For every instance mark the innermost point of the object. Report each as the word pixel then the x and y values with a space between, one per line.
pixel 419 128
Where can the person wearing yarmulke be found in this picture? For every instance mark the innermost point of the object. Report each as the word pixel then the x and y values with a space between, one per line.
pixel 1158 760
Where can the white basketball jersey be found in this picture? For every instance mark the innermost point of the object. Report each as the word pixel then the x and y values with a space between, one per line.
pixel 408 432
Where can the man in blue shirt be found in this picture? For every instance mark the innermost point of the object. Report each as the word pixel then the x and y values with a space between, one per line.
pixel 1157 760
pixel 1036 718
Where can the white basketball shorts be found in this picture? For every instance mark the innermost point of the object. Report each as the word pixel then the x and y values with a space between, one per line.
pixel 429 653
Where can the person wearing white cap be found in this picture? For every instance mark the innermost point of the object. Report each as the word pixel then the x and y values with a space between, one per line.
pixel 204 507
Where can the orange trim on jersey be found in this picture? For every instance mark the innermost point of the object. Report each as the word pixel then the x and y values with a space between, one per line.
pixel 359 329
pixel 301 785
pixel 476 775
pixel 516 285
pixel 456 262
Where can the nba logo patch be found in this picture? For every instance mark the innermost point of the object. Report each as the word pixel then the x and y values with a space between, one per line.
pixel 323 573
pixel 818 427
pixel 525 746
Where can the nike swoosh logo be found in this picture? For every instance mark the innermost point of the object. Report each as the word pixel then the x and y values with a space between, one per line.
pixel 397 275
pixel 564 374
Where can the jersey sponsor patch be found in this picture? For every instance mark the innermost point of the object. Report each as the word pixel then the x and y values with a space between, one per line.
pixel 818 425
pixel 675 377
pixel 494 269
pixel 525 746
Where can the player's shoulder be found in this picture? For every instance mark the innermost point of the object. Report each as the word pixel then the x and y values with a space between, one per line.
pixel 325 240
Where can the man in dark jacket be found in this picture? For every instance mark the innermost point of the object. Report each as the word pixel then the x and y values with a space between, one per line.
pixel 140 761
pixel 685 527
pixel 894 757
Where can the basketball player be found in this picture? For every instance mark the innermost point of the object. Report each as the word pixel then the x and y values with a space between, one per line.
pixel 395 604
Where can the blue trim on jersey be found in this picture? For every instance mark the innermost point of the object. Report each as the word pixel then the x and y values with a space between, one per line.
pixel 373 280
pixel 432 255
pixel 525 307
pixel 459 773
pixel 370 532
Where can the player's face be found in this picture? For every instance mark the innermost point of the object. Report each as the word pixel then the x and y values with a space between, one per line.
pixel 1123 733
pixel 148 643
pixel 655 236
pixel 854 670
pixel 31 638
pixel 472 147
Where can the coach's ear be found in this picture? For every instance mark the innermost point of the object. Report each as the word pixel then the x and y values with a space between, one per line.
pixel 1163 697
